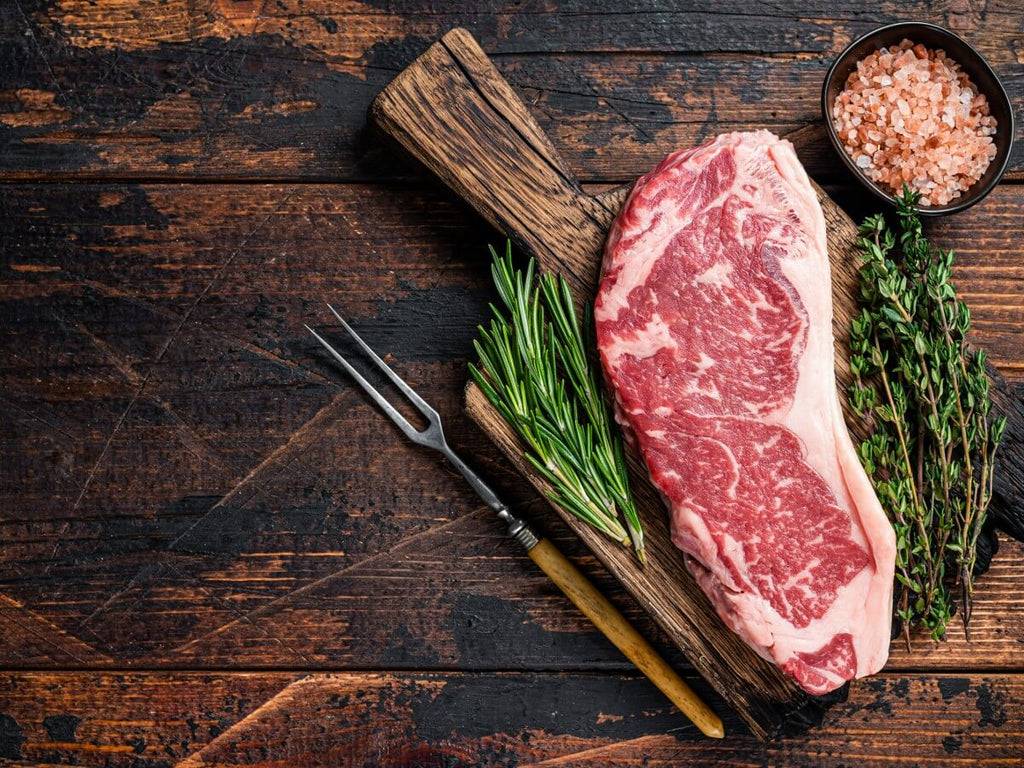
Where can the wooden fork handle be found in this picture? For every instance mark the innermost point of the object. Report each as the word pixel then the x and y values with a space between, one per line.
pixel 613 625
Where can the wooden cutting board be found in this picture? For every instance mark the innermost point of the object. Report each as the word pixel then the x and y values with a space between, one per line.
pixel 454 112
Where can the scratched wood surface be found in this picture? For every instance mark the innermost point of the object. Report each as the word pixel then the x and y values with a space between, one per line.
pixel 187 485
pixel 248 88
pixel 456 718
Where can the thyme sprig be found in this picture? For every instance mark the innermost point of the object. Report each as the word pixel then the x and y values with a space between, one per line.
pixel 926 397
pixel 535 368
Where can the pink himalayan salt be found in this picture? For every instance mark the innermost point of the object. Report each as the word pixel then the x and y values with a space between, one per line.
pixel 909 115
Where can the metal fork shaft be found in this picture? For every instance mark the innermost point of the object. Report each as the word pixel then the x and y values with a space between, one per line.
pixel 432 436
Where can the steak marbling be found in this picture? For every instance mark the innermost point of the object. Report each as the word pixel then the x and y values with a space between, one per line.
pixel 714 323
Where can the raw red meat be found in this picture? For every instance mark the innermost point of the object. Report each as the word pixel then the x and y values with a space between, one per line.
pixel 714 323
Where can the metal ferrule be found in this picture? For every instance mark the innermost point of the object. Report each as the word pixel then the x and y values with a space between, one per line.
pixel 519 530
pixel 526 537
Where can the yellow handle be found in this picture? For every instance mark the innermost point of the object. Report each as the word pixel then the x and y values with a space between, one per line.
pixel 613 624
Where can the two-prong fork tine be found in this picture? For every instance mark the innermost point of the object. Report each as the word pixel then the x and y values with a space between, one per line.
pixel 424 407
pixel 432 436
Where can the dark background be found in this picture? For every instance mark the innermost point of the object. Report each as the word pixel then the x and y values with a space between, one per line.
pixel 212 548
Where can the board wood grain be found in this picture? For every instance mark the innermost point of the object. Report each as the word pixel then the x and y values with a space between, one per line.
pixel 454 112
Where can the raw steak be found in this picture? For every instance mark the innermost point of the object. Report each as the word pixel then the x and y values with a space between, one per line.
pixel 714 323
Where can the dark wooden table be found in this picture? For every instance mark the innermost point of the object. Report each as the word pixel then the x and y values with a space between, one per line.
pixel 212 549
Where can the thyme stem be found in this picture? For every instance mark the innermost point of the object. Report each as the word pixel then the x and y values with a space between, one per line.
pixel 923 393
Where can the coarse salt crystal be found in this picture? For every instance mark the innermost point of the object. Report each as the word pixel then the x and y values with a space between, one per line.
pixel 909 114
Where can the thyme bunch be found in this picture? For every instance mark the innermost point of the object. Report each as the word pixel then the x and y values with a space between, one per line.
pixel 536 370
pixel 925 395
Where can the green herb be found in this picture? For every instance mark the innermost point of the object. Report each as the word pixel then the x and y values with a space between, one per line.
pixel 926 396
pixel 536 370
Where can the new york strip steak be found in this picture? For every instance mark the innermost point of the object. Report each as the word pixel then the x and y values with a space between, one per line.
pixel 714 324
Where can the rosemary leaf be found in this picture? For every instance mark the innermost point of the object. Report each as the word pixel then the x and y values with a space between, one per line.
pixel 535 368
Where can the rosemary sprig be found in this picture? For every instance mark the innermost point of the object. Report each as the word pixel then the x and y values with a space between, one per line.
pixel 926 397
pixel 535 368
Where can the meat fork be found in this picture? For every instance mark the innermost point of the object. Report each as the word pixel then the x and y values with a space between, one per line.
pixel 566 576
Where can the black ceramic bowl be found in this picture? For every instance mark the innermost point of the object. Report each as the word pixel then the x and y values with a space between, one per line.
pixel 977 69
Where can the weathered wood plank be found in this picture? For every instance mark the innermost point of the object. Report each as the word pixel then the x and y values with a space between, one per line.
pixel 271 719
pixel 94 282
pixel 279 90
pixel 344 29
pixel 123 719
